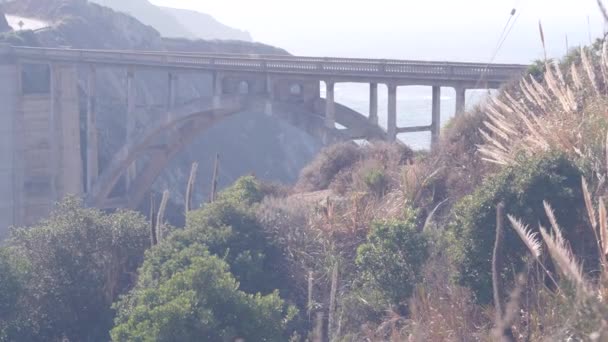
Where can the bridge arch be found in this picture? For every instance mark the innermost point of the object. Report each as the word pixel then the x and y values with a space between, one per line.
pixel 165 137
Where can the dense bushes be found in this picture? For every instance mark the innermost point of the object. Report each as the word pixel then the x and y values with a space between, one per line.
pixel 217 279
pixel 71 268
pixel 390 261
pixel 191 296
pixel 11 291
pixel 522 189
pixel 230 229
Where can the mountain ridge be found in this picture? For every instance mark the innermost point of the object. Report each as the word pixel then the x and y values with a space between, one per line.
pixel 176 23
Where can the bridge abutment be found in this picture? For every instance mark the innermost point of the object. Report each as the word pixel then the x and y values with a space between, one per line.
pixel 10 168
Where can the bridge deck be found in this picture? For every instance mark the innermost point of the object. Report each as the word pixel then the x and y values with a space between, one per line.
pixel 319 67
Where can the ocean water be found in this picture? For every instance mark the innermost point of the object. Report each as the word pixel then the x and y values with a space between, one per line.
pixel 413 106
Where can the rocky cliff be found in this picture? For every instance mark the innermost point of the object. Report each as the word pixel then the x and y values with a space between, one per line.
pixel 248 142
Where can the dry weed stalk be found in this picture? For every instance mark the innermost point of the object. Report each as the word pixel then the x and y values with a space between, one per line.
pixel 160 218
pixel 190 187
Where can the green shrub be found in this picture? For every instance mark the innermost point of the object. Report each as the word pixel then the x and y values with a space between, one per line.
pixel 75 264
pixel 390 262
pixel 522 189
pixel 230 229
pixel 12 274
pixel 189 295
pixel 376 181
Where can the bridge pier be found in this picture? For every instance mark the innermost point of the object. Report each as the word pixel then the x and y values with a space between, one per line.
pixel 92 151
pixel 131 107
pixel 373 103
pixel 269 95
pixel 330 105
pixel 391 125
pixel 460 100
pixel 436 115
pixel 218 88
pixel 173 91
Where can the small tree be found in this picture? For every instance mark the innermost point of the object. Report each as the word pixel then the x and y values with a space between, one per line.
pixel 230 229
pixel 190 295
pixel 391 260
pixel 522 188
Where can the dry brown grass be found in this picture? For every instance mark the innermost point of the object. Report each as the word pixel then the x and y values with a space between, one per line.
pixel 564 113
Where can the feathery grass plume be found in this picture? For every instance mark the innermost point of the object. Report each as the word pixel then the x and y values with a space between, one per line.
pixel 160 219
pixel 589 70
pixel 555 88
pixel 528 237
pixel 556 229
pixel 190 187
pixel 564 260
pixel 576 78
pixel 589 206
pixel 540 89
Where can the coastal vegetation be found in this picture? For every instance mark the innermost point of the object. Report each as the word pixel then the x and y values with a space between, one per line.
pixel 500 232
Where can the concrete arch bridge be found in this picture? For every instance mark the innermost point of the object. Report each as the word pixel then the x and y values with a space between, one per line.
pixel 45 157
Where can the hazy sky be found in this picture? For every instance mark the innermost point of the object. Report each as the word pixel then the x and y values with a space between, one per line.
pixel 408 29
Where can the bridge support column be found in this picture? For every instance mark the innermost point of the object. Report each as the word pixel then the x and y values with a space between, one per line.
pixel 131 106
pixel 436 110
pixel 391 124
pixel 218 88
pixel 173 91
pixel 373 103
pixel 460 100
pixel 269 95
pixel 330 106
pixel 92 159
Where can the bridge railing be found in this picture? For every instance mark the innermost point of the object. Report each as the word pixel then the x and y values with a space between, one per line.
pixel 282 64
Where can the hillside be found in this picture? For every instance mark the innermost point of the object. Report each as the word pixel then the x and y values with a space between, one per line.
pixel 204 26
pixel 176 23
